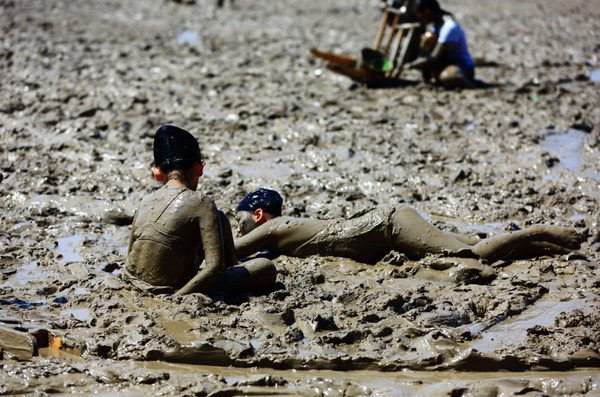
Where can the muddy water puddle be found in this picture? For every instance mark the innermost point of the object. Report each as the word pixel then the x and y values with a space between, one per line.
pixel 77 314
pixel 406 383
pixel 65 248
pixel 559 150
pixel 402 383
pixel 566 146
pixel 25 272
pixel 514 330
pixel 189 37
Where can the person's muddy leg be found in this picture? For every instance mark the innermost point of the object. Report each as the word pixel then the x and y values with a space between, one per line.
pixel 416 237
pixel 263 274
pixel 228 244
pixel 537 248
pixel 464 239
pixel 254 275
pixel 454 77
pixel 522 241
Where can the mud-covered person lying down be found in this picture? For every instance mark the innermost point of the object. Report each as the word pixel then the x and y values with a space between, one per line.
pixel 370 235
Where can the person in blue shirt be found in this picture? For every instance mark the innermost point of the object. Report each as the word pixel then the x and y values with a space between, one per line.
pixel 448 61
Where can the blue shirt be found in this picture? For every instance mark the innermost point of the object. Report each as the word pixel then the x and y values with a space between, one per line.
pixel 450 32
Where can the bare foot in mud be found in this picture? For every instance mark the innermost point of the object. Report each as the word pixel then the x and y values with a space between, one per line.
pixel 561 236
pixel 523 243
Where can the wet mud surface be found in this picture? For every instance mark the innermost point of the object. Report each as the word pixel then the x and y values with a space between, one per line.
pixel 86 84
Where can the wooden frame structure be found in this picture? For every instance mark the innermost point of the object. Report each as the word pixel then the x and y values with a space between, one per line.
pixel 399 38
pixel 394 40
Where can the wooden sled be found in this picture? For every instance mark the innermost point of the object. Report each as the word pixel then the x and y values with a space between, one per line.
pixel 334 58
pixel 360 75
pixel 397 49
pixel 369 78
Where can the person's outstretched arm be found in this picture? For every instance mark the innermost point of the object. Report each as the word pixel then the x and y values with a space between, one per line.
pixel 280 235
pixel 212 241
pixel 434 59
pixel 267 236
pixel 132 232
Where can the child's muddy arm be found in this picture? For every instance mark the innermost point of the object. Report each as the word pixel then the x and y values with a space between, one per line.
pixel 257 240
pixel 131 233
pixel 228 244
pixel 433 59
pixel 212 241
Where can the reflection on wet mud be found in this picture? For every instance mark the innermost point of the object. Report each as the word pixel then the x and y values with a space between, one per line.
pixel 24 274
pixel 65 248
pixel 77 314
pixel 189 37
pixel 567 147
pixel 513 330
pixel 404 383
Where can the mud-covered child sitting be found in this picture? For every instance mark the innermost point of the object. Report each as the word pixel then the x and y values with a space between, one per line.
pixel 180 243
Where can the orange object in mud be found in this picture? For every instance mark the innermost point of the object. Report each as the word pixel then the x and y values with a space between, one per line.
pixel 334 58
pixel 59 343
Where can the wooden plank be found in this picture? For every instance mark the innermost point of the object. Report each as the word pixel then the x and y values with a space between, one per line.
pixel 18 343
pixel 334 58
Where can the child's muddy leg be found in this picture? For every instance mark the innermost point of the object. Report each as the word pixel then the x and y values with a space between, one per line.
pixel 253 275
pixel 454 77
pixel 537 248
pixel 416 237
pixel 464 239
pixel 521 242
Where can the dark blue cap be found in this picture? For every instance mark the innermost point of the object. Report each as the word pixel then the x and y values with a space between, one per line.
pixel 266 199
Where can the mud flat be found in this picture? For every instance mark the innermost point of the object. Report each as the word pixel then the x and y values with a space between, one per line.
pixel 86 84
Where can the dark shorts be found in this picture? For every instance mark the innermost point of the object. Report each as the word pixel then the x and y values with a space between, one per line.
pixel 469 72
